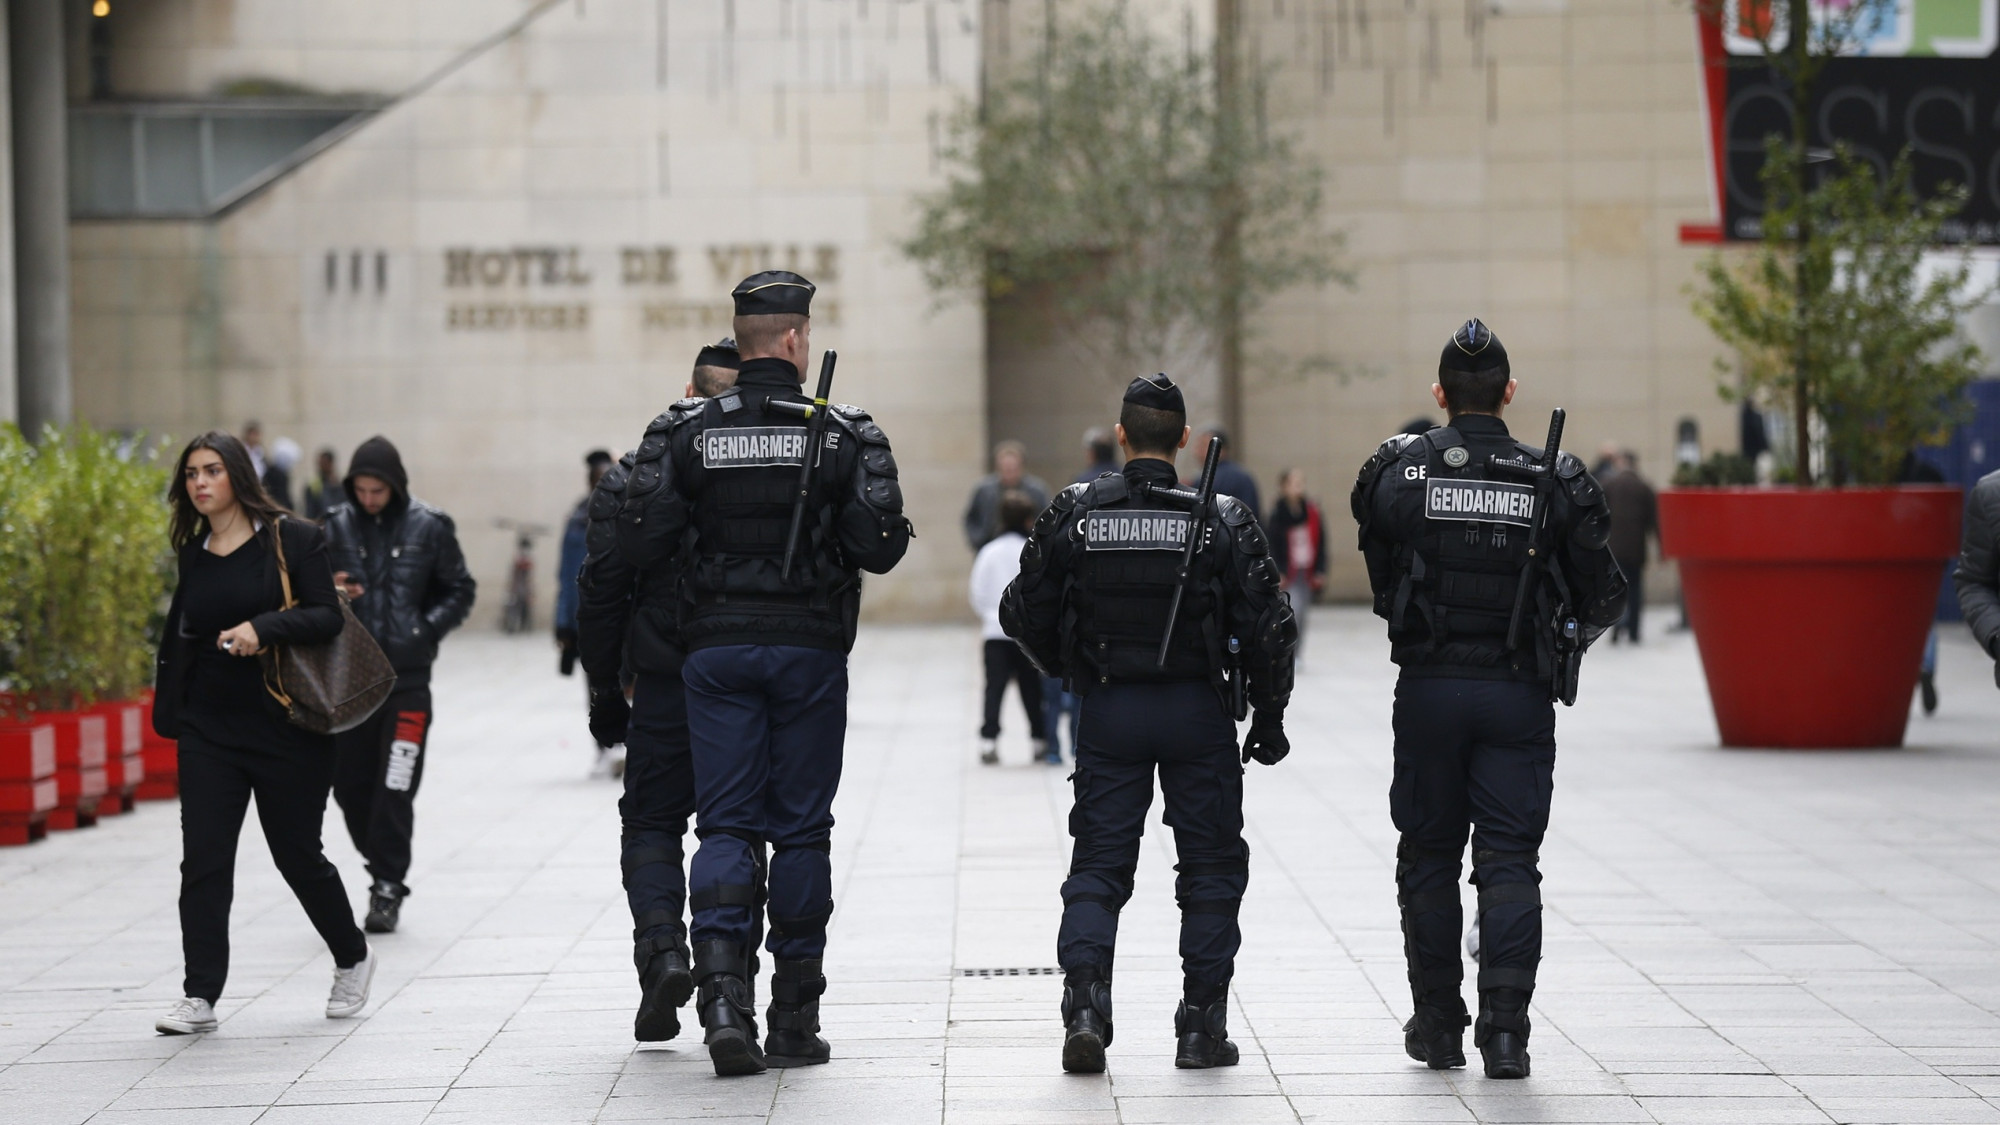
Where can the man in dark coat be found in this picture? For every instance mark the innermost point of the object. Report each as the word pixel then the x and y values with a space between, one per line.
pixel 1635 522
pixel 399 562
pixel 1977 575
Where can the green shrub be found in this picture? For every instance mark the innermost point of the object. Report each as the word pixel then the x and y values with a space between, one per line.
pixel 1718 470
pixel 84 548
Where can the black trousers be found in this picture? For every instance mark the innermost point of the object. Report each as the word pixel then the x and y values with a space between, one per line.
pixel 1478 753
pixel 1004 662
pixel 377 767
pixel 653 814
pixel 216 786
pixel 1635 602
pixel 1128 732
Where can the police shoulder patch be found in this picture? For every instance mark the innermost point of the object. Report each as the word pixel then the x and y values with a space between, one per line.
pixel 1135 529
pixel 1484 501
pixel 1456 456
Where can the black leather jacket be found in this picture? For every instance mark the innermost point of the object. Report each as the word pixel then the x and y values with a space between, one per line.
pixel 1977 575
pixel 416 587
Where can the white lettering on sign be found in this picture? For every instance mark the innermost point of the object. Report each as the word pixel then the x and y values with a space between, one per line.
pixel 753 447
pixel 1135 531
pixel 1487 501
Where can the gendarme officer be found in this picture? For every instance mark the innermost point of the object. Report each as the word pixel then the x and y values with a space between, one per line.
pixel 1447 530
pixel 628 633
pixel 711 492
pixel 1090 605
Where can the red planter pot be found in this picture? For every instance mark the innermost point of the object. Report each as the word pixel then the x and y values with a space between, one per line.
pixel 27 780
pixel 124 758
pixel 1810 607
pixel 81 748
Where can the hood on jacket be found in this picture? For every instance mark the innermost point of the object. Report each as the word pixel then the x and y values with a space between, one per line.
pixel 378 458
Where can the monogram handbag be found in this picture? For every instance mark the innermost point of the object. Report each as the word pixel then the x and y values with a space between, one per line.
pixel 332 687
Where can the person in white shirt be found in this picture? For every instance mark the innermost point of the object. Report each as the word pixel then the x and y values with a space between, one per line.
pixel 996 565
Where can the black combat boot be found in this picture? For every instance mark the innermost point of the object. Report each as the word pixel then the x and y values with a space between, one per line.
pixel 793 1016
pixel 1086 1011
pixel 727 1007
pixel 1502 1032
pixel 666 980
pixel 1435 1035
pixel 1202 1023
pixel 385 906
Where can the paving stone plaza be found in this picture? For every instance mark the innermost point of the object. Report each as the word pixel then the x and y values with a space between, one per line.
pixel 1732 936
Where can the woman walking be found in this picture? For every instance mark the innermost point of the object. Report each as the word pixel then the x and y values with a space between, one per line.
pixel 235 740
pixel 1295 526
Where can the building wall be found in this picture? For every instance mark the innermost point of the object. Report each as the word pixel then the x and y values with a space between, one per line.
pixel 1528 163
pixel 519 263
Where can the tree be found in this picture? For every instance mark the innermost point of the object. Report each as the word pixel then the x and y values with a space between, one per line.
pixel 1796 51
pixel 1834 313
pixel 1121 178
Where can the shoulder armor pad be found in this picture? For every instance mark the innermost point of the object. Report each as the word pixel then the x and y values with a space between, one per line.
pixel 857 421
pixel 1233 512
pixel 1444 437
pixel 686 405
pixel 1059 510
pixel 1107 489
pixel 609 494
pixel 1398 444
pixel 1068 497
pixel 1582 488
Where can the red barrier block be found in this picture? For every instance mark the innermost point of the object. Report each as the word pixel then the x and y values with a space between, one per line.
pixel 124 765
pixel 80 756
pixel 24 810
pixel 27 751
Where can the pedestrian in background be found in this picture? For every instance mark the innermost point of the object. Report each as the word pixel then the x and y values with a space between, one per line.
pixel 570 561
pixel 285 456
pixel 982 512
pixel 398 559
pixel 1101 451
pixel 1231 479
pixel 1977 575
pixel 997 564
pixel 1300 540
pixel 1635 523
pixel 235 738
pixel 323 491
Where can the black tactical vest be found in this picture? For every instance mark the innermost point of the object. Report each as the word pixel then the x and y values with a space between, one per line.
pixel 1459 563
pixel 750 460
pixel 1127 563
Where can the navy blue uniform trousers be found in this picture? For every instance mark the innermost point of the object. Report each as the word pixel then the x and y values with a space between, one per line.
pixel 768 725
pixel 653 813
pixel 1478 753
pixel 1127 732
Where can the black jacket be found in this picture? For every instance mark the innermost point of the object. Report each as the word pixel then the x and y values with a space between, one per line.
pixel 1054 618
pixel 415 587
pixel 315 620
pixel 712 515
pixel 1977 575
pixel 627 620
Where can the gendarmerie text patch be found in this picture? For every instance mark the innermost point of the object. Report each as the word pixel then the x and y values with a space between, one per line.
pixel 1487 501
pixel 1135 531
pixel 753 446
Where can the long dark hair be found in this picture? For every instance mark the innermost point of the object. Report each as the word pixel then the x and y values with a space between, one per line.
pixel 188 524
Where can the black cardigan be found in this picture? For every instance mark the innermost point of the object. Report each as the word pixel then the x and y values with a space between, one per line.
pixel 316 619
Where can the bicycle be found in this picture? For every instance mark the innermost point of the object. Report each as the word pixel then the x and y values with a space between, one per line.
pixel 518 615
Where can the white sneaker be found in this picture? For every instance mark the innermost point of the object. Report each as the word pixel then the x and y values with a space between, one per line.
pixel 350 988
pixel 989 751
pixel 187 1016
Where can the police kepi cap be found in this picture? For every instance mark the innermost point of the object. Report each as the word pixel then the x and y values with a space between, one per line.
pixel 1157 392
pixel 1473 349
pixel 722 353
pixel 773 291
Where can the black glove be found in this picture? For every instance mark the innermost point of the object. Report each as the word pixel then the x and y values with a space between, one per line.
pixel 566 642
pixel 609 713
pixel 1266 741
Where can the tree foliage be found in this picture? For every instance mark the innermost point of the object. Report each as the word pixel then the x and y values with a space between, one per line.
pixel 1112 175
pixel 1845 320
pixel 85 553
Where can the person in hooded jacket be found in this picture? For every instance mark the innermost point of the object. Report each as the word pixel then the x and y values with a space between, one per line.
pixel 399 562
